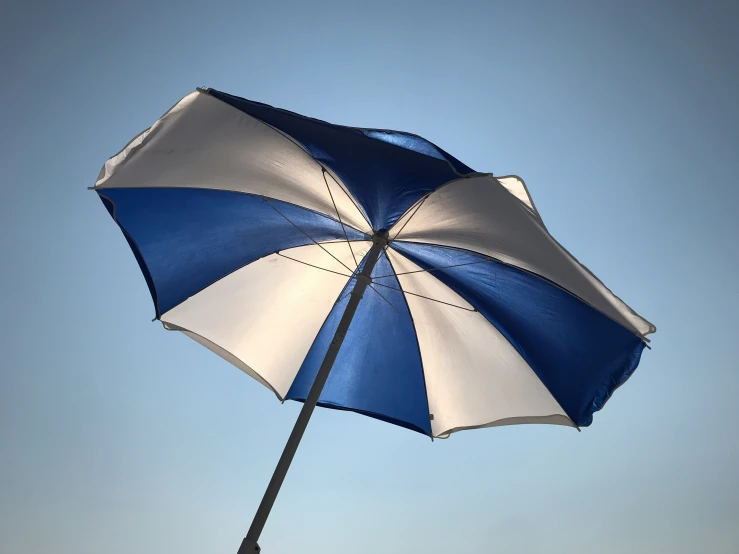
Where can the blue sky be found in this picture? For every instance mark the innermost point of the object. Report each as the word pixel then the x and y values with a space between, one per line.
pixel 118 437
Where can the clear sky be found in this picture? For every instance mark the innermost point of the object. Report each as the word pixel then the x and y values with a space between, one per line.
pixel 118 437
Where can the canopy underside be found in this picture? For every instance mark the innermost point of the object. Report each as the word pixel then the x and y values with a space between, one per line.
pixel 249 224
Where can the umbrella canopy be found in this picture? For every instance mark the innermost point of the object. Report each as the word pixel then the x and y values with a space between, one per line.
pixel 257 228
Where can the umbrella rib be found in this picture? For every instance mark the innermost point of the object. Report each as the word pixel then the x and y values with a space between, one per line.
pixel 344 297
pixel 411 216
pixel 427 297
pixel 323 170
pixel 307 235
pixel 435 268
pixel 388 301
pixel 349 196
pixel 311 265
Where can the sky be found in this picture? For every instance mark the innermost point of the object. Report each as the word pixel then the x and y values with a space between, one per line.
pixel 118 437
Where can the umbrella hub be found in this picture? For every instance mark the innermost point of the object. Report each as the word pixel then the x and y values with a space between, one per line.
pixel 381 237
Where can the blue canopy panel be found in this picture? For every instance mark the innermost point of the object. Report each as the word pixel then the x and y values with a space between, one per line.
pixel 385 171
pixel 185 239
pixel 541 320
pixel 378 371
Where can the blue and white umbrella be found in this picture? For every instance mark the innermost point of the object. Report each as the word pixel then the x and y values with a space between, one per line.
pixel 364 270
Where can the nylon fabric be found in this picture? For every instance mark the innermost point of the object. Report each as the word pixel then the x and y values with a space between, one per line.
pixel 416 144
pixel 579 354
pixel 480 215
pixel 221 201
pixel 188 239
pixel 205 143
pixel 474 376
pixel 264 317
pixel 385 171
pixel 378 370
pixel 517 188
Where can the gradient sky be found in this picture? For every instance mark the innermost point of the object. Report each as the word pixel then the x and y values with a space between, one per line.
pixel 118 437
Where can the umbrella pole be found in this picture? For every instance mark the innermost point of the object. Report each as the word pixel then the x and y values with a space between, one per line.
pixel 249 544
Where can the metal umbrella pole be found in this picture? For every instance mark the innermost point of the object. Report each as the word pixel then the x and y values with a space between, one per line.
pixel 249 544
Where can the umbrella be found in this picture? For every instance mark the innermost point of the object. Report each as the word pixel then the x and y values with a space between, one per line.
pixel 364 270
